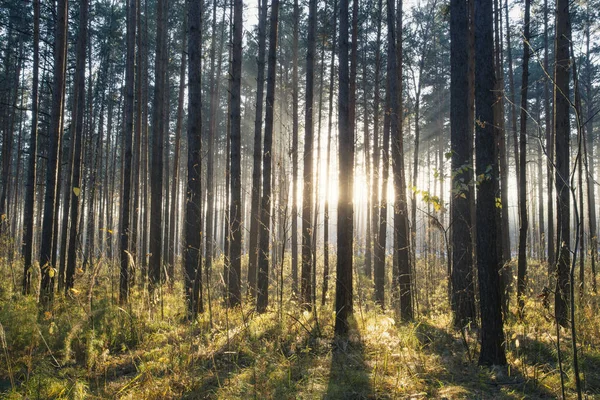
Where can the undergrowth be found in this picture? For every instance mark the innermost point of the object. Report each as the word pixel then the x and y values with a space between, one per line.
pixel 87 346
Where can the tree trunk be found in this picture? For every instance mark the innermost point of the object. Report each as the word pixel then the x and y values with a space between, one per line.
pixel 307 228
pixel 329 131
pixel 262 299
pixel 193 212
pixel 345 227
pixel 492 335
pixel 377 199
pixel 235 210
pixel 73 195
pixel 462 289
pixel 253 253
pixel 29 211
pixel 522 262
pixel 54 142
pixel 561 144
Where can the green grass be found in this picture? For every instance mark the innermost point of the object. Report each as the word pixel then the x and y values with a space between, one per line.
pixel 87 347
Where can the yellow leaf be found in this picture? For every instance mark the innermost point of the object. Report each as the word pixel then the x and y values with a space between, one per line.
pixel 79 270
pixel 74 291
pixel 51 272
pixel 76 191
pixel 52 328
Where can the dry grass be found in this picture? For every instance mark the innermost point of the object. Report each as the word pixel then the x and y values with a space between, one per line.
pixel 149 351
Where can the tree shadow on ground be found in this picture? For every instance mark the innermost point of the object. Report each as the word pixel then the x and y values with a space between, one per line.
pixel 459 376
pixel 349 376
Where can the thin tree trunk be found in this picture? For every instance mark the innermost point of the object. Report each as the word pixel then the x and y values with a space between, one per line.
pixel 307 228
pixel 253 253
pixel 462 285
pixel 262 299
pixel 562 162
pixel 193 212
pixel 522 262
pixel 327 169
pixel 345 230
pixel 29 210
pixel 235 207
pixel 492 335
pixel 54 139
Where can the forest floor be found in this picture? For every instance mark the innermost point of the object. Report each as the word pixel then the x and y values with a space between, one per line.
pixel 88 347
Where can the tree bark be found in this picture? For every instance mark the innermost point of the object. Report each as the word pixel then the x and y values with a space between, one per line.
pixel 235 207
pixel 492 335
pixel 307 228
pixel 262 299
pixel 462 288
pixel 562 162
pixel 54 142
pixel 522 261
pixel 193 212
pixel 345 230
pixel 29 211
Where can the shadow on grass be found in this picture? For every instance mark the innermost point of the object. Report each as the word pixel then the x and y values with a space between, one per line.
pixel 461 377
pixel 349 376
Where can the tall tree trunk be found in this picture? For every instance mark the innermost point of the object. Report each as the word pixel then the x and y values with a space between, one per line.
pixel 522 262
pixel 29 211
pixel 561 144
pixel 235 207
pixel 549 152
pixel 462 289
pixel 158 137
pixel 262 299
pixel 492 335
pixel 378 262
pixel 401 285
pixel 253 253
pixel 124 230
pixel 193 212
pixel 589 149
pixel 327 170
pixel 173 245
pixel 512 99
pixel 212 135
pixel 54 141
pixel 307 228
pixel 73 195
pixel 295 147
pixel 345 227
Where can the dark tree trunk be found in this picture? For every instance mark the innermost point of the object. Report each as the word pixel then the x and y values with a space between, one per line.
pixel 173 245
pixel 158 135
pixel 193 212
pixel 377 199
pixel 462 289
pixel 549 152
pixel 253 253
pixel 492 335
pixel 235 207
pixel 73 195
pixel 307 228
pixel 29 212
pixel 124 229
pixel 54 142
pixel 522 261
pixel 262 299
pixel 561 144
pixel 295 147
pixel 329 131
pixel 345 227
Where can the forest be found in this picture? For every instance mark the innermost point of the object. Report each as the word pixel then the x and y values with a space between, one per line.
pixel 366 199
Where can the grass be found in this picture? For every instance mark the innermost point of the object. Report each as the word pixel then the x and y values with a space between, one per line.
pixel 87 347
